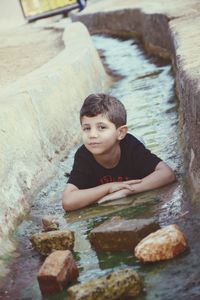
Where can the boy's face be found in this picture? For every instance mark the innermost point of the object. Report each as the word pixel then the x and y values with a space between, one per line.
pixel 99 134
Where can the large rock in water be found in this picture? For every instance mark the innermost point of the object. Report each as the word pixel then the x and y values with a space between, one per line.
pixel 119 235
pixel 117 285
pixel 163 244
pixel 46 242
pixel 58 270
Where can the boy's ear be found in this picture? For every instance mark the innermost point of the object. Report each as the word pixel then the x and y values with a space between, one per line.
pixel 122 131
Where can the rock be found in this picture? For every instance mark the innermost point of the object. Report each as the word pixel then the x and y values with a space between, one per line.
pixel 119 235
pixel 117 285
pixel 46 242
pixel 49 223
pixel 58 270
pixel 163 244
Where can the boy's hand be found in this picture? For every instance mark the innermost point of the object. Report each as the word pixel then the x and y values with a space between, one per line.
pixel 119 190
pixel 125 185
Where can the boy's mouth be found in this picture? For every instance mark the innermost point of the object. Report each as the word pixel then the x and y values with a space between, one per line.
pixel 93 144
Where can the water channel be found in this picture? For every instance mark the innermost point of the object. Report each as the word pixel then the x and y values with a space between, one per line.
pixel 146 87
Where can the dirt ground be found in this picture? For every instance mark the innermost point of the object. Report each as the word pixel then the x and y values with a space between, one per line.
pixel 27 47
pixel 24 46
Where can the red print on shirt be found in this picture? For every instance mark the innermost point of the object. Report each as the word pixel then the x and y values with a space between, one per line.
pixel 108 178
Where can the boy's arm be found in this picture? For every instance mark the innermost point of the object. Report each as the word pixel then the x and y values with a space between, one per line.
pixel 115 195
pixel 161 176
pixel 74 198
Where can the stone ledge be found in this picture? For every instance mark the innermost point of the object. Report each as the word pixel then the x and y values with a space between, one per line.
pixel 37 113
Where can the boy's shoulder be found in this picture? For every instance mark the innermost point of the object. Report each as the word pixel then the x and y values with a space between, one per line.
pixel 131 140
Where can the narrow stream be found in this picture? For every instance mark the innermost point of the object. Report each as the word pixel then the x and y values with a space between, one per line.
pixel 146 88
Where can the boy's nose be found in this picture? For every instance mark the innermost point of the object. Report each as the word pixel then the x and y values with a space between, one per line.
pixel 93 133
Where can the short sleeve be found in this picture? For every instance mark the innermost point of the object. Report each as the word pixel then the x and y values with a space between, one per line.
pixel 81 174
pixel 145 162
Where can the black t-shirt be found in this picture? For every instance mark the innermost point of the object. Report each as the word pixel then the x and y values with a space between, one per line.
pixel 135 162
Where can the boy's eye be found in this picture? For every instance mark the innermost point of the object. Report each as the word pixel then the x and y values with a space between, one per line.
pixel 101 127
pixel 86 128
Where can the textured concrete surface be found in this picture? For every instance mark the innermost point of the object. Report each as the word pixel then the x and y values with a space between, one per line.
pixel 10 15
pixel 39 113
pixel 22 50
pixel 171 30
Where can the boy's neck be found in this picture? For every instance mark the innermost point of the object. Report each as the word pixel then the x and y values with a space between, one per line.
pixel 111 159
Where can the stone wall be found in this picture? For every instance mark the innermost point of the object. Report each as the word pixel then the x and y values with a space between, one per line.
pixel 131 23
pixel 39 121
pixel 186 43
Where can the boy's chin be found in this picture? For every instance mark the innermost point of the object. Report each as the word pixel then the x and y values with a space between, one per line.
pixel 97 153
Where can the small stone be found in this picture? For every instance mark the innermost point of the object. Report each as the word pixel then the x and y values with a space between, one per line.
pixel 121 235
pixel 49 223
pixel 117 285
pixel 47 242
pixel 58 270
pixel 163 244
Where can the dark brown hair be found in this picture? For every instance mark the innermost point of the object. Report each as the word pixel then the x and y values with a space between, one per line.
pixel 107 105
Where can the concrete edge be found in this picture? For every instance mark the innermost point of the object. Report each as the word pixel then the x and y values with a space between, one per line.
pixel 39 122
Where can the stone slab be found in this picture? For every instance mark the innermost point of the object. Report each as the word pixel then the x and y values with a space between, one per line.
pixel 122 284
pixel 121 235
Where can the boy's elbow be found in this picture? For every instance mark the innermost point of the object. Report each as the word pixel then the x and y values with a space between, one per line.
pixel 171 176
pixel 67 204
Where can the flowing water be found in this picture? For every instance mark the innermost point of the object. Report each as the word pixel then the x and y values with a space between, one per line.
pixel 146 87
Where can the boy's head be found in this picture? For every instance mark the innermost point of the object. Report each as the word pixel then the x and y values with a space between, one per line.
pixel 103 104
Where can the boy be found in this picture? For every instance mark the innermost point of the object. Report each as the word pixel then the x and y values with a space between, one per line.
pixel 111 163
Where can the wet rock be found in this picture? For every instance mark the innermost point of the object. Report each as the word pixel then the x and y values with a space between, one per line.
pixel 47 242
pixel 117 285
pixel 49 223
pixel 163 244
pixel 58 270
pixel 118 235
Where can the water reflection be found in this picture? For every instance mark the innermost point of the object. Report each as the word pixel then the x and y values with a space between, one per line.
pixel 147 91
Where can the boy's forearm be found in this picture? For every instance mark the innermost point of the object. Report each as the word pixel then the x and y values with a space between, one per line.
pixel 73 198
pixel 155 180
pixel 81 198
pixel 114 196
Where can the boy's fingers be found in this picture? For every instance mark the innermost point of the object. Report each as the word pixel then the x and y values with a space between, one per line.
pixel 129 187
pixel 124 186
